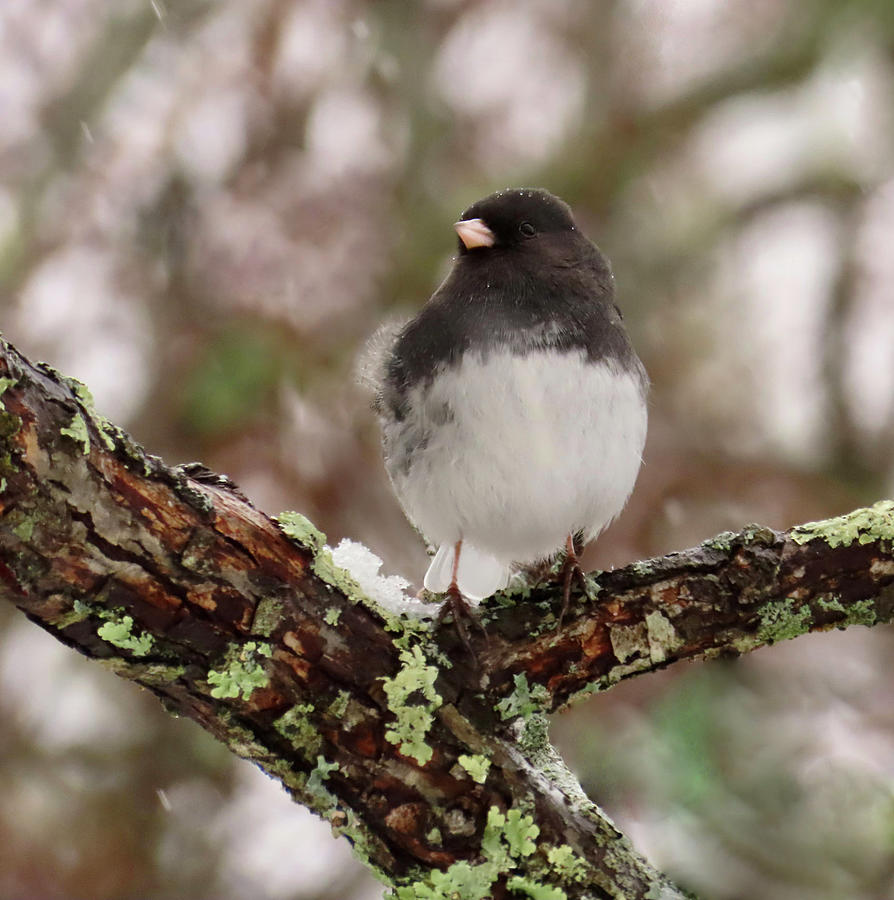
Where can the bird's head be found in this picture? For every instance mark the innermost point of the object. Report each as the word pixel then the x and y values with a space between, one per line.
pixel 512 218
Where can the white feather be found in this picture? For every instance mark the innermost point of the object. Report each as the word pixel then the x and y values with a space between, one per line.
pixel 511 454
pixel 440 570
pixel 478 574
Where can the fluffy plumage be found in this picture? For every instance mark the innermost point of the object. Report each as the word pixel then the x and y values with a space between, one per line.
pixel 512 406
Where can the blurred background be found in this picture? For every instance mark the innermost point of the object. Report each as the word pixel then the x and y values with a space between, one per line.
pixel 205 209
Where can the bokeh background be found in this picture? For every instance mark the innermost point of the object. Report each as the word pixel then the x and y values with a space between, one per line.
pixel 206 207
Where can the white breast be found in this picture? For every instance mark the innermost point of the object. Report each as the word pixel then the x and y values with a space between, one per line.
pixel 512 453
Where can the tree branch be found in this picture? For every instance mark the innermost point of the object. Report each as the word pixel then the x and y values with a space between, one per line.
pixel 438 771
pixel 734 593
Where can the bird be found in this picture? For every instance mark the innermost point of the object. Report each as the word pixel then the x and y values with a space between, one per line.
pixel 513 407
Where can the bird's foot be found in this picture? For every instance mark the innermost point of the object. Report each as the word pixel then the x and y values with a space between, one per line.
pixel 570 572
pixel 462 613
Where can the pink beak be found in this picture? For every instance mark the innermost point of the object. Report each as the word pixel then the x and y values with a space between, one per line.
pixel 474 233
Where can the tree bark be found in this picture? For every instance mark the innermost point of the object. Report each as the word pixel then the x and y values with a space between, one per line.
pixel 435 766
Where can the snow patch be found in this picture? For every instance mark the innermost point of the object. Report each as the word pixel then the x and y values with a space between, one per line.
pixel 389 591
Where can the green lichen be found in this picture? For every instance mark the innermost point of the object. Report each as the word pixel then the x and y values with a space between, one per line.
pixel 461 880
pixel 197 555
pixel 630 642
pixel 339 706
pixel 245 744
pixel 355 713
pixel 295 726
pixel 413 700
pixel 642 568
pixel 722 542
pixel 567 863
pixel 507 840
pixel 118 631
pixel 530 888
pixel 24 529
pixel 318 775
pixel 300 528
pixel 159 674
pixel 519 588
pixel 830 602
pixel 243 673
pixel 9 424
pixel 861 613
pixel 524 700
pixel 6 383
pixel 325 568
pixel 367 846
pixel 78 613
pixel 533 741
pixel 865 526
pixel 662 636
pixel 186 487
pixel 519 831
pixel 117 628
pixel 104 428
pixel 477 766
pixel 411 631
pixel 780 621
pixel 78 432
pixel 758 534
pixel 268 615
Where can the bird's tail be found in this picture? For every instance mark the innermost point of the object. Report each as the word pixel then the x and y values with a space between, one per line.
pixel 478 574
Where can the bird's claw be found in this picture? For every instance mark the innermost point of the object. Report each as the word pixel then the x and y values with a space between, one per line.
pixel 462 613
pixel 571 572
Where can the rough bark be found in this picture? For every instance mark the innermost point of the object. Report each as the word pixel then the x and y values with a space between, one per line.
pixel 439 771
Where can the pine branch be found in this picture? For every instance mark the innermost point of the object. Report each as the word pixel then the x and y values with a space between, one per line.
pixel 438 771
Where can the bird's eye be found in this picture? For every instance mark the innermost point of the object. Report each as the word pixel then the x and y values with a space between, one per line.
pixel 527 229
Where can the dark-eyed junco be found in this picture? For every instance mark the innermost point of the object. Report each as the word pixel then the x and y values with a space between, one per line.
pixel 513 406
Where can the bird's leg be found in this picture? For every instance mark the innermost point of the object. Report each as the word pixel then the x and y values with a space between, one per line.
pixel 457 606
pixel 571 571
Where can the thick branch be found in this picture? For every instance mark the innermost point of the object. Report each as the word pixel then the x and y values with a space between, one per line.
pixel 437 770
pixel 734 593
